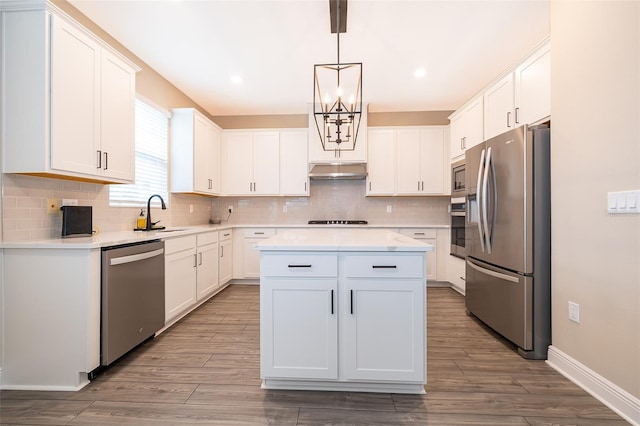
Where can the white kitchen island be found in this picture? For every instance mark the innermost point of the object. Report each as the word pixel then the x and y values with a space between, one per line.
pixel 343 310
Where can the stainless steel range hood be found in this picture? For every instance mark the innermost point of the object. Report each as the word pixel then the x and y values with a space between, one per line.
pixel 327 171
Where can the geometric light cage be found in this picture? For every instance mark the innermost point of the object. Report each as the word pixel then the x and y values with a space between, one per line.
pixel 337 104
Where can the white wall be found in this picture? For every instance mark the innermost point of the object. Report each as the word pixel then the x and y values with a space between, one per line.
pixel 595 103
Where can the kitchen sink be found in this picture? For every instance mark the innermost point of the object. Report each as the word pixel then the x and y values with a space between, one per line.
pixel 173 230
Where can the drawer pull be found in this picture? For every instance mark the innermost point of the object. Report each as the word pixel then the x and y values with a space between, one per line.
pixel 384 266
pixel 299 266
pixel 258 233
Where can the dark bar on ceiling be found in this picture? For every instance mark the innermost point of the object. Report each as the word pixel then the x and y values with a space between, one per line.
pixel 338 15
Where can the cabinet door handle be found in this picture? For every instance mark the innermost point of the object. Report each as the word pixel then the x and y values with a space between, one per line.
pixel 509 119
pixel 221 251
pixel 351 300
pixel 200 258
pixel 99 159
pixel 422 185
pixel 332 302
pixel 384 266
pixel 369 185
pixel 106 160
pixel 299 266
pixel 517 118
pixel 418 185
pixel 195 260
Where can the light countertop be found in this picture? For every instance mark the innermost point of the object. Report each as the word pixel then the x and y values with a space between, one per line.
pixel 333 239
pixel 106 239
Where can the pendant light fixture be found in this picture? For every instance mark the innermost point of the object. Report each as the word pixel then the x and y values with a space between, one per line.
pixel 337 93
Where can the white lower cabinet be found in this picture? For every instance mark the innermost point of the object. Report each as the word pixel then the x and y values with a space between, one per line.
pixel 302 331
pixel 251 256
pixel 343 321
pixel 225 263
pixel 428 235
pixel 180 264
pixel 382 341
pixel 207 264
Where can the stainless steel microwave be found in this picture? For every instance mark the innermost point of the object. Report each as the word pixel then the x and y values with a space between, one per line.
pixel 458 179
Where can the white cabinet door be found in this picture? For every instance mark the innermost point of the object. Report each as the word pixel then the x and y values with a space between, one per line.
pixel 252 162
pixel 533 87
pixel 251 258
pixel 299 332
pixel 266 163
pixel 207 279
pixel 408 164
pixel 239 161
pixel 381 162
pixel 467 128
pixel 225 268
pixel 180 282
pixel 206 156
pixel 498 107
pixel 384 338
pixel 75 64
pixel 432 164
pixel 294 170
pixel 117 123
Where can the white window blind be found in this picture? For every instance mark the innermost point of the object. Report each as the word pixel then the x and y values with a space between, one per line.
pixel 151 160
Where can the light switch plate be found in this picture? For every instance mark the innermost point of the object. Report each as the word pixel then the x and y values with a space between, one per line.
pixel 623 202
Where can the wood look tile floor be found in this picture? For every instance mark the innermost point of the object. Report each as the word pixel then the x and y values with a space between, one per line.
pixel 206 370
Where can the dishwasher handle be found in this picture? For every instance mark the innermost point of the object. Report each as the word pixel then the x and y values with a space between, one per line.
pixel 135 257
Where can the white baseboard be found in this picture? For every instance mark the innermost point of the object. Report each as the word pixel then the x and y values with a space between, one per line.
pixel 622 402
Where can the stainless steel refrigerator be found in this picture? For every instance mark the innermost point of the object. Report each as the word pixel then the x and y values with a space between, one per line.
pixel 508 237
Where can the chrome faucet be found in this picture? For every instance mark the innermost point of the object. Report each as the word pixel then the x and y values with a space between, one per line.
pixel 149 223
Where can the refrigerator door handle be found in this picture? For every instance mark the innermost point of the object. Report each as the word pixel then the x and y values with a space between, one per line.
pixel 492 166
pixel 485 211
pixel 479 197
pixel 493 273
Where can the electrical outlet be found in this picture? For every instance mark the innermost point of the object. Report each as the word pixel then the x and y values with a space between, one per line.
pixel 284 208
pixel 574 312
pixel 230 209
pixel 69 202
pixel 389 209
pixel 190 208
pixel 52 206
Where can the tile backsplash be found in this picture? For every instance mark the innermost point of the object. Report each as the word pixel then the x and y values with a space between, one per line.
pixel 341 199
pixel 24 207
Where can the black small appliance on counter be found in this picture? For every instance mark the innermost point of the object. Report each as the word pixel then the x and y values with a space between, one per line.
pixel 77 221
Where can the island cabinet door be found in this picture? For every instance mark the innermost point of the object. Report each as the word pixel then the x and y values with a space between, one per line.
pixel 384 329
pixel 299 328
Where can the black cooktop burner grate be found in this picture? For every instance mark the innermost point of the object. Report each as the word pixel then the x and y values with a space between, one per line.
pixel 338 222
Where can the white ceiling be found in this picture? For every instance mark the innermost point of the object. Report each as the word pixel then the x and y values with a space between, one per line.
pixel 273 44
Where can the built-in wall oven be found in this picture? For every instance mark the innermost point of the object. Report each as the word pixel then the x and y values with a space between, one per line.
pixel 458 209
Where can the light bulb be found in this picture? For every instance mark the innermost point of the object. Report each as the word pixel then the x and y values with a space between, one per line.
pixel 339 91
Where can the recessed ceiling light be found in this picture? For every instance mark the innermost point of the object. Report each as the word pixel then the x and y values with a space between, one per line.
pixel 236 79
pixel 419 73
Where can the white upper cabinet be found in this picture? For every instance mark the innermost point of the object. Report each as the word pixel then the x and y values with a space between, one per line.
pixel 420 161
pixel 294 170
pixel 195 153
pixel 251 162
pixel 408 161
pixel 381 171
pixel 466 128
pixel 533 87
pixel 69 99
pixel 521 96
pixel 334 154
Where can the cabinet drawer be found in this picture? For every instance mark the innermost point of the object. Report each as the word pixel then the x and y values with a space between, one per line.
pixel 299 265
pixel 225 234
pixel 207 238
pixel 419 232
pixel 377 266
pixel 173 245
pixel 259 232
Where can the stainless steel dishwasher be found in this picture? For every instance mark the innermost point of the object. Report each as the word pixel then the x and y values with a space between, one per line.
pixel 132 297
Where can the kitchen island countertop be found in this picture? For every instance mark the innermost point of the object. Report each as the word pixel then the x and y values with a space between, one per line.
pixel 351 239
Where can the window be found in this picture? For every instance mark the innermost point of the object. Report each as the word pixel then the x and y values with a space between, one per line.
pixel 151 160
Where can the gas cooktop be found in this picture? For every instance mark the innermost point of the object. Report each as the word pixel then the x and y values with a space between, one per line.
pixel 338 222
